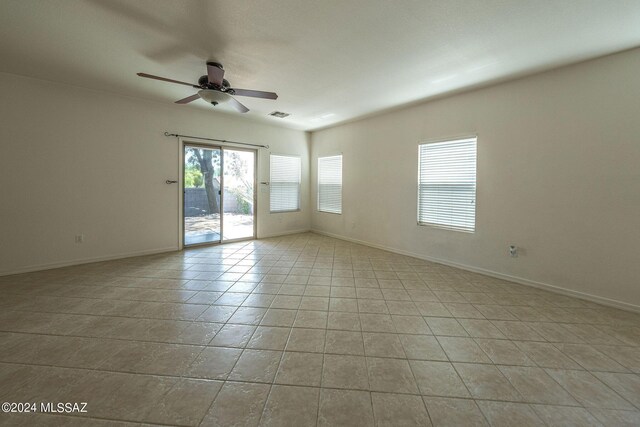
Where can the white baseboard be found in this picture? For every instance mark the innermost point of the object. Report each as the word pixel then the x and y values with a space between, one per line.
pixel 520 280
pixel 284 233
pixel 80 261
pixel 69 263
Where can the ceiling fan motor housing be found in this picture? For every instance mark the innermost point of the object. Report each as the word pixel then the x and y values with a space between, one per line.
pixel 204 83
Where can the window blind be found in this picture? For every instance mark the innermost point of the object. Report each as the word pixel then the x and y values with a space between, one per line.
pixel 330 184
pixel 447 184
pixel 284 183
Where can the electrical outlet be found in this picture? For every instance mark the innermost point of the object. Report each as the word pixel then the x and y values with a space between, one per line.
pixel 79 238
pixel 513 251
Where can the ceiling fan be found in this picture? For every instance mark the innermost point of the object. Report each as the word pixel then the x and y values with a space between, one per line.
pixel 215 89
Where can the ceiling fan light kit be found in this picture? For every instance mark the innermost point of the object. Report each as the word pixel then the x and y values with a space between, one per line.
pixel 215 89
pixel 213 97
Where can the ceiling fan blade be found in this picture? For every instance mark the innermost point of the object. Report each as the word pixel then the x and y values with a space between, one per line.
pixel 238 106
pixel 188 99
pixel 255 93
pixel 150 76
pixel 215 74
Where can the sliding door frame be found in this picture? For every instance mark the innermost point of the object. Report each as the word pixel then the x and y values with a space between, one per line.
pixel 255 192
pixel 222 147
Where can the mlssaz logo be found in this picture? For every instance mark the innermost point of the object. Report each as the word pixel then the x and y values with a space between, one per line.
pixel 64 408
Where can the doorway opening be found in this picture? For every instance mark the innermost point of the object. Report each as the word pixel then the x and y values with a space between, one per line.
pixel 219 199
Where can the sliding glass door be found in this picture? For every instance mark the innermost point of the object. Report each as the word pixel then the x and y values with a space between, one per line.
pixel 239 177
pixel 202 195
pixel 218 194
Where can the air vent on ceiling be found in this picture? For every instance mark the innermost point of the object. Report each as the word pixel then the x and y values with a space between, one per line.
pixel 279 114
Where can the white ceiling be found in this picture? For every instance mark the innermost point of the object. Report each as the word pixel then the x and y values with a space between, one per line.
pixel 329 60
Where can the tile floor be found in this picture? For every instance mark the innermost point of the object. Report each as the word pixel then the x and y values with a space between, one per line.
pixel 309 330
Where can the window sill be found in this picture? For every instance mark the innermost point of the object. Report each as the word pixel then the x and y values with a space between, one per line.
pixel 445 227
pixel 279 212
pixel 332 213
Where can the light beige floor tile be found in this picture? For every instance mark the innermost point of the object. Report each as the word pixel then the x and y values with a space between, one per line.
pixel 214 363
pixel 626 385
pixel 410 324
pixel 391 375
pixel 376 323
pixel 152 358
pixel 269 338
pixel 612 417
pixel 565 416
pixel 463 310
pixel 449 412
pixel 342 371
pixel 256 366
pixel 342 292
pixel 422 347
pixel 517 331
pixel 349 305
pixel 403 308
pixel 554 332
pixel 399 410
pixel 588 390
pixel 509 414
pixel 372 306
pixel 197 333
pixel 344 342
pixel 185 404
pixel 382 345
pixel 446 326
pixel 546 355
pixel 503 352
pixel 291 406
pixel 495 312
pixel 153 316
pixel 369 293
pixel 314 303
pixel 125 397
pixel 311 319
pixel 300 369
pixel 590 358
pixel 591 335
pixel 479 328
pixel 248 316
pixel 461 349
pixel 233 336
pixel 438 379
pixel 432 309
pixel 629 357
pixel 536 386
pixel 345 408
pixel 239 404
pixel 486 382
pixel 344 321
pixel 308 340
pixel 279 317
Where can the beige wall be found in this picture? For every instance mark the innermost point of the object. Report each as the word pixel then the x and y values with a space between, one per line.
pixel 558 176
pixel 77 161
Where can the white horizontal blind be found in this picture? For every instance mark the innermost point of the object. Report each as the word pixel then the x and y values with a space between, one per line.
pixel 330 184
pixel 447 184
pixel 284 183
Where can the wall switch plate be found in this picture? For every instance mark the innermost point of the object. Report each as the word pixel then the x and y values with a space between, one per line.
pixel 80 238
pixel 513 251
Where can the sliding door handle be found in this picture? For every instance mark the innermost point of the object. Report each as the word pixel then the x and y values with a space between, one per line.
pixel 171 182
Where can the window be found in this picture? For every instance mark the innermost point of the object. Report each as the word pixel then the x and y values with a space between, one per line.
pixel 285 183
pixel 330 184
pixel 447 184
